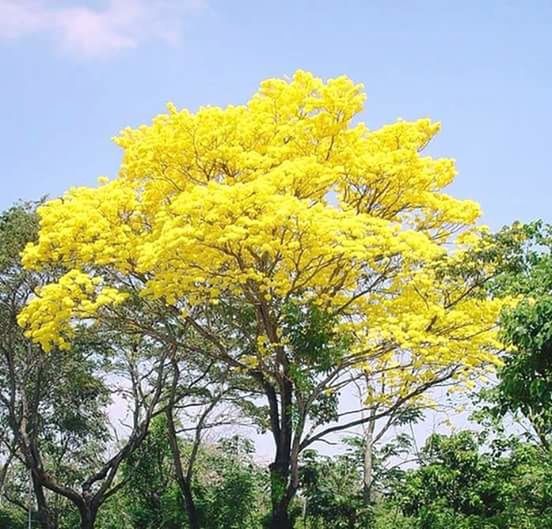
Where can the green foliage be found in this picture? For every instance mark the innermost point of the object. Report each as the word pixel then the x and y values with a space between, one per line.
pixel 312 337
pixel 152 498
pixel 228 487
pixel 462 484
pixel 18 226
pixel 526 377
pixel 231 487
pixel 11 518
pixel 525 380
pixel 315 349
pixel 332 488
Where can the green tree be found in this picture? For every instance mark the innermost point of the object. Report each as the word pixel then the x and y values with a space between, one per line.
pixel 151 498
pixel 332 489
pixel 465 483
pixel 231 487
pixel 525 380
pixel 227 485
pixel 53 405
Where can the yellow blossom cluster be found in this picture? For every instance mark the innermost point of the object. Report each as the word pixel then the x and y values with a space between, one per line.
pixel 76 296
pixel 281 198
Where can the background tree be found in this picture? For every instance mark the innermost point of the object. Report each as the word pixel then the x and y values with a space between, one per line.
pixel 332 490
pixel 22 374
pixel 525 379
pixel 151 496
pixel 53 404
pixel 232 487
pixel 201 398
pixel 227 485
pixel 464 483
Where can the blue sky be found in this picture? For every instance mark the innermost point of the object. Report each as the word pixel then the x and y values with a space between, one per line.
pixel 75 72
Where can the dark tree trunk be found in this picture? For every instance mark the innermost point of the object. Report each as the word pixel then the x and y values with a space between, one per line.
pixel 281 480
pixel 193 517
pixel 281 489
pixel 280 519
pixel 280 396
pixel 182 480
pixel 87 516
pixel 45 518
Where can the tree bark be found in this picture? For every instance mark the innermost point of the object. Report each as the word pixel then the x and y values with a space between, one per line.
pixel 193 516
pixel 45 518
pixel 182 480
pixel 282 485
pixel 280 519
pixel 368 476
pixel 88 517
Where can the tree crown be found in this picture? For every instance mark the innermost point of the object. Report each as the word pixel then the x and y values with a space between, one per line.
pixel 283 201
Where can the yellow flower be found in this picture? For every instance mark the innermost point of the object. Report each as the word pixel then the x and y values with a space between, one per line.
pixel 284 197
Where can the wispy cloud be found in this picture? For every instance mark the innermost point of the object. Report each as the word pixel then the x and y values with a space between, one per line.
pixel 96 31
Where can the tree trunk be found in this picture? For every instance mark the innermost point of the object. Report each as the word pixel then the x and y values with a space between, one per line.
pixel 368 476
pixel 181 478
pixel 368 463
pixel 88 518
pixel 87 523
pixel 45 518
pixel 280 518
pixel 283 471
pixel 193 517
pixel 280 495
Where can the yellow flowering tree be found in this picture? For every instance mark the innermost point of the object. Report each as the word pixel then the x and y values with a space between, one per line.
pixel 300 245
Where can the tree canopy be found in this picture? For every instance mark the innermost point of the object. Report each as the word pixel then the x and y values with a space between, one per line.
pixel 279 199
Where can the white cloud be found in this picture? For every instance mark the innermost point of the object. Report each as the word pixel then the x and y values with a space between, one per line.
pixel 95 31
